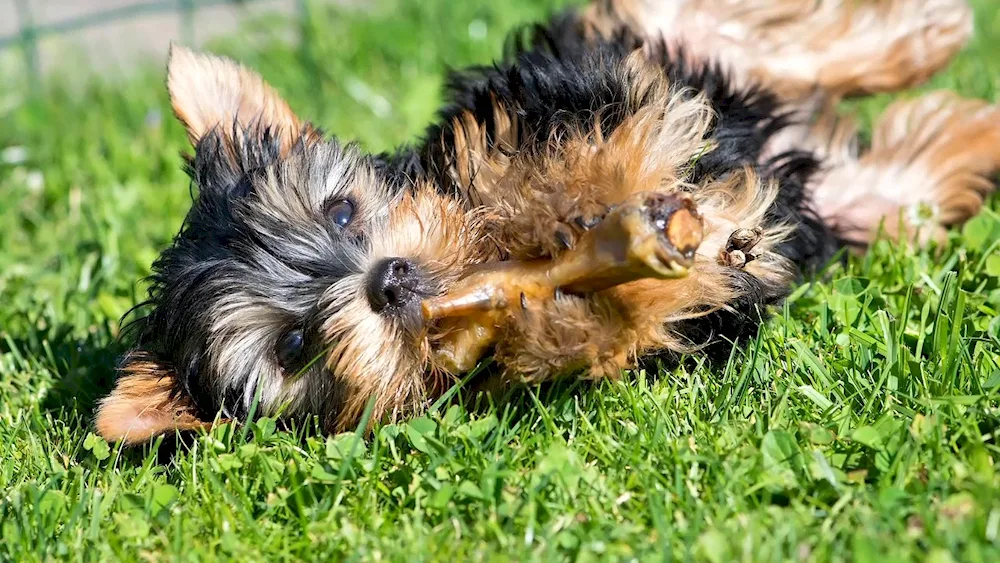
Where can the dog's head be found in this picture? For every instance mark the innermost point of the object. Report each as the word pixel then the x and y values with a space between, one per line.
pixel 297 276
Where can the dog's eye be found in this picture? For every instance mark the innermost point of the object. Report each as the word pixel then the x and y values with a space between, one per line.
pixel 290 349
pixel 340 212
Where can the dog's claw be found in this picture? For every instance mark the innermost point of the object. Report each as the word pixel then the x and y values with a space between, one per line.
pixel 564 237
pixel 587 223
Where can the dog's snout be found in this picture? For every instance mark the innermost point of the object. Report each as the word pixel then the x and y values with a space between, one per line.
pixel 392 284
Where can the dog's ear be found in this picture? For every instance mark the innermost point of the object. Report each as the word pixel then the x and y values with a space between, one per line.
pixel 147 401
pixel 214 93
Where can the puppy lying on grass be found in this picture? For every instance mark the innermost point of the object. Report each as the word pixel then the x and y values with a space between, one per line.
pixel 635 179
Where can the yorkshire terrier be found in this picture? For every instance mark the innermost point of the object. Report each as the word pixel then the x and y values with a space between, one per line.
pixel 634 179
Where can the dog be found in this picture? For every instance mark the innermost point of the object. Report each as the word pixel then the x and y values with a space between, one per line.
pixel 634 179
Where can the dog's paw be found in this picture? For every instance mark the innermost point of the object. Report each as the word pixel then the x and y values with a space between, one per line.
pixel 648 236
pixel 566 233
pixel 737 252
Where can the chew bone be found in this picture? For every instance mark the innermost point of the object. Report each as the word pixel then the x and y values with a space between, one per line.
pixel 649 236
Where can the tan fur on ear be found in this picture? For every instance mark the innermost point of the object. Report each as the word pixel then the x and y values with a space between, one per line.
pixel 145 404
pixel 207 91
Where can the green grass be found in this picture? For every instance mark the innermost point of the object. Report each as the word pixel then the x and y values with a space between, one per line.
pixel 861 424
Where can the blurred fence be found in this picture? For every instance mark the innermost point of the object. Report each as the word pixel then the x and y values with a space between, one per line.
pixel 28 32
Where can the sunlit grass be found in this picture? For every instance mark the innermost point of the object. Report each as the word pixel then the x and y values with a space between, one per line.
pixel 859 425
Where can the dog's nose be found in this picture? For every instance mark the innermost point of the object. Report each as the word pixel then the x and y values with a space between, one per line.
pixel 392 284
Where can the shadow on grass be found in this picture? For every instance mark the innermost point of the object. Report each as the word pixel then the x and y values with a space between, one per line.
pixel 83 372
pixel 83 369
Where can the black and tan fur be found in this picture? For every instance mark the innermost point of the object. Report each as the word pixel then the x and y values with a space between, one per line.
pixel 277 290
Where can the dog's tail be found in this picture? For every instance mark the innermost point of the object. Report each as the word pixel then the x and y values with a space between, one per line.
pixel 795 47
pixel 930 166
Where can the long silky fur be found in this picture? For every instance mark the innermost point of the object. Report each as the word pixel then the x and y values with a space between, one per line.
pixel 559 78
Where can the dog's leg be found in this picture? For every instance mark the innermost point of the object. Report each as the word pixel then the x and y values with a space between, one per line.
pixel 650 236
pixel 929 167
pixel 795 47
pixel 597 307
pixel 598 335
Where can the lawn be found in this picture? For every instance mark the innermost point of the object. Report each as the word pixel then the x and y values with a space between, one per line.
pixel 860 425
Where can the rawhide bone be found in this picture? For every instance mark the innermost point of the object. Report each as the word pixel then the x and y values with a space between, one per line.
pixel 652 235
